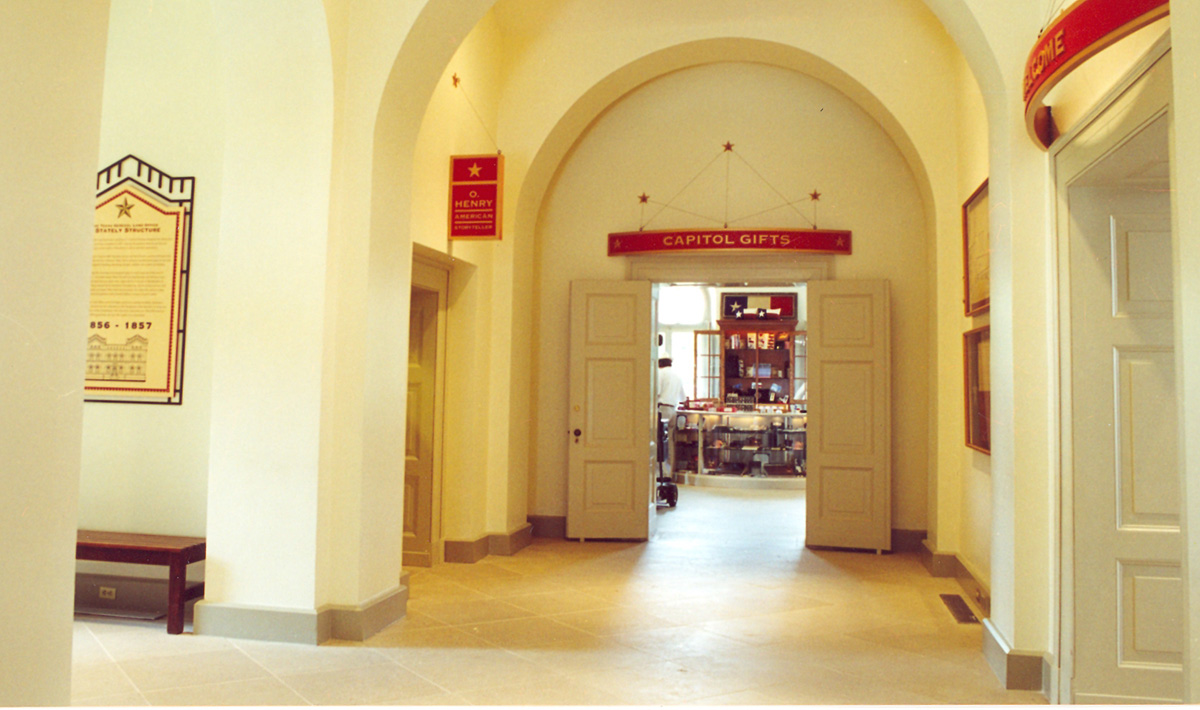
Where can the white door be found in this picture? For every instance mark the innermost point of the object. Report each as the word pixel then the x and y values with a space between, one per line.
pixel 849 499
pixel 1127 586
pixel 611 414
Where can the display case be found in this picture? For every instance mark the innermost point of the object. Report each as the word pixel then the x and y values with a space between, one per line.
pixel 747 444
pixel 757 365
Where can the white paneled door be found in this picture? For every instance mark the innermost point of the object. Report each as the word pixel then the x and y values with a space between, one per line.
pixel 1128 587
pixel 611 414
pixel 849 415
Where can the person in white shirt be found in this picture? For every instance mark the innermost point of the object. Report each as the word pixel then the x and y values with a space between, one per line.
pixel 671 391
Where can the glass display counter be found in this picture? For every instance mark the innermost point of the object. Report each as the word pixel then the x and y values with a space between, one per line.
pixel 741 444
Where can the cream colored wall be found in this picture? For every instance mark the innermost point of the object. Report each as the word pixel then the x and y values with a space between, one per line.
pixel 270 300
pixel 974 498
pixel 797 133
pixel 145 468
pixel 51 75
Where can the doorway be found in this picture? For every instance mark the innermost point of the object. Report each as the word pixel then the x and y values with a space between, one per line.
pixel 1121 538
pixel 423 544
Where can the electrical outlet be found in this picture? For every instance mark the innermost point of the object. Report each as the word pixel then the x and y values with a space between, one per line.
pixel 108 592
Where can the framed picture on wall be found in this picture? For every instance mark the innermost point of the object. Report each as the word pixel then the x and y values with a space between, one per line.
pixel 976 363
pixel 976 281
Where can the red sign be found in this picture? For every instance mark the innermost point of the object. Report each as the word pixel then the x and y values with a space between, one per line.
pixel 813 241
pixel 476 196
pixel 1082 31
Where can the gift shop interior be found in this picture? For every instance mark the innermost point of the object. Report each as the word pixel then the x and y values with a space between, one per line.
pixel 732 385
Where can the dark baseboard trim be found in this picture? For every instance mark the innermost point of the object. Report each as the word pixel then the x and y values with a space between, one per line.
pixel 552 526
pixel 907 540
pixel 472 551
pixel 361 622
pixel 466 551
pixel 941 564
pixel 1017 670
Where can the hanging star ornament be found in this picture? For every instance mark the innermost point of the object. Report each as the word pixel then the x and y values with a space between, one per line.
pixel 454 80
pixel 643 198
pixel 816 196
pixel 125 209
pixel 728 147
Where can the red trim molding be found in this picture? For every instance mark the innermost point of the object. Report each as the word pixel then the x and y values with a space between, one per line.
pixel 679 241
pixel 1082 31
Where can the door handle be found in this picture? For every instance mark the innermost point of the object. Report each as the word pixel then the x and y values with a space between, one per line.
pixel 577 434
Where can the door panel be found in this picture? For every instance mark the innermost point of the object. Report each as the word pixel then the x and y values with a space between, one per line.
pixel 849 415
pixel 611 463
pixel 419 429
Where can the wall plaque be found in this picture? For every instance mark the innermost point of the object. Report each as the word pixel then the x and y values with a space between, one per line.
pixel 140 262
pixel 476 196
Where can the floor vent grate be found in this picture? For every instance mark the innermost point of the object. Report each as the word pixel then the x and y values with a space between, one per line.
pixel 962 613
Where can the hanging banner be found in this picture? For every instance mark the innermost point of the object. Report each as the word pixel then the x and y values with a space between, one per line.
pixel 1079 33
pixel 476 195
pixel 674 241
pixel 139 285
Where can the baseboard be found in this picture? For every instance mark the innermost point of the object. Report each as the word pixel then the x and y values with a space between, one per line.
pixel 136 597
pixel 907 540
pixel 1017 670
pixel 943 564
pixel 361 622
pixel 472 551
pixel 332 621
pixel 552 526
pixel 466 551
pixel 261 623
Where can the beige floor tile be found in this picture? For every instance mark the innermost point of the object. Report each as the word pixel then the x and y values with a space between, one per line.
pixel 463 669
pixel 377 684
pixel 563 601
pixel 681 641
pixel 600 654
pixel 260 691
pixel 613 620
pixel 183 670
pixel 85 648
pixel 292 658
pixel 469 612
pixel 133 641
pixel 97 679
pixel 533 632
pixel 409 644
pixel 745 698
pixel 563 692
pixel 122 700
pixel 662 682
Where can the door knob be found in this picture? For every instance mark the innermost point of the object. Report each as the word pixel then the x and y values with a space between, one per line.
pixel 577 434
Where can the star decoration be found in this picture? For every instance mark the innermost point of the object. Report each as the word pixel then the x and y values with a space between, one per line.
pixel 454 79
pixel 841 242
pixel 125 209
pixel 816 196
pixel 475 169
pixel 643 198
pixel 728 146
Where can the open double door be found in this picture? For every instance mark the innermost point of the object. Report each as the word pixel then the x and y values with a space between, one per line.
pixel 612 417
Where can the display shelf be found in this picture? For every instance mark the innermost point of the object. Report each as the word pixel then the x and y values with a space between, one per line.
pixel 742 444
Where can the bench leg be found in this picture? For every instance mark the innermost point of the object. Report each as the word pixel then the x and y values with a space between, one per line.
pixel 175 599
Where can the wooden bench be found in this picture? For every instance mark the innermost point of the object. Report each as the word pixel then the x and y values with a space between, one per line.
pixel 164 550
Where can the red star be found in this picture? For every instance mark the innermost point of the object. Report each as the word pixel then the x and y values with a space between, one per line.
pixel 728 146
pixel 815 195
pixel 454 79
pixel 643 198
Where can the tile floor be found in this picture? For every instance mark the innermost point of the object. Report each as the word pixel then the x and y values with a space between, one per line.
pixel 724 606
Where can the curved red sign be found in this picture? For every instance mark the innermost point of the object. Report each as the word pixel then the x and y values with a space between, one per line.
pixel 1083 30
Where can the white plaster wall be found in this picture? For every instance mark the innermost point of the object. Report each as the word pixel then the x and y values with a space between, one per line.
pixel 798 134
pixel 269 335
pixel 145 468
pixel 51 75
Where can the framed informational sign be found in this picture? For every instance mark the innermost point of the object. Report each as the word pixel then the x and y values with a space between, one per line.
pixel 976 282
pixel 140 268
pixel 976 363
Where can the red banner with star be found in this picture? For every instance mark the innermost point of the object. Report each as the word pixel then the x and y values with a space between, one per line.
pixel 676 241
pixel 476 196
